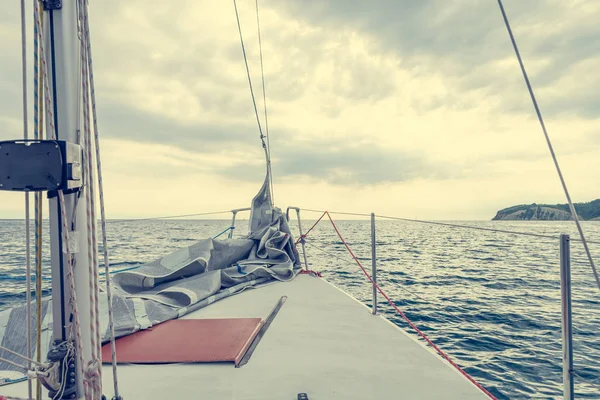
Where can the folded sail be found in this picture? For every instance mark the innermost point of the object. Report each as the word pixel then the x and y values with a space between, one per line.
pixel 183 281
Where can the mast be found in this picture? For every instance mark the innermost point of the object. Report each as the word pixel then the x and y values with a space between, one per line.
pixel 63 59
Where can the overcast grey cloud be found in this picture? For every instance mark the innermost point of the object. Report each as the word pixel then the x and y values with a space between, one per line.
pixel 420 97
pixel 459 37
pixel 336 162
pixel 344 163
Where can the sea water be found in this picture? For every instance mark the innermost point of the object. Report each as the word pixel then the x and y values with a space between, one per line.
pixel 490 300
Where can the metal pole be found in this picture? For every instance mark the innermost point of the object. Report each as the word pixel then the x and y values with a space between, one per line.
pixel 63 52
pixel 302 239
pixel 374 264
pixel 232 224
pixel 567 331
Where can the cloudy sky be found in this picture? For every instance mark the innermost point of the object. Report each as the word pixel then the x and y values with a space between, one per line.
pixel 407 108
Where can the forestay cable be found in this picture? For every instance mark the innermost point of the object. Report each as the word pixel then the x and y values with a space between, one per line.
pixel 262 136
pixel 264 92
pixel 541 120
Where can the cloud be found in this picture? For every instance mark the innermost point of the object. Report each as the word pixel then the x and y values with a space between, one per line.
pixel 557 39
pixel 343 163
pixel 338 162
pixel 398 102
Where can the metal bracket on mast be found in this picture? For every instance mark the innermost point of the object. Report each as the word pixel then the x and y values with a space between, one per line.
pixel 40 165
pixel 52 4
pixel 60 378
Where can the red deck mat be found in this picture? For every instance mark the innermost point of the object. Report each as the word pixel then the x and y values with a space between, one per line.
pixel 187 341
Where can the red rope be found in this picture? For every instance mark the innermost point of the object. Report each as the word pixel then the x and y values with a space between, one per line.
pixel 307 272
pixel 440 352
pixel 311 228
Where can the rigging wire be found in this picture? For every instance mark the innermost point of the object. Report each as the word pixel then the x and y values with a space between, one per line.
pixel 550 147
pixel 448 224
pixel 168 217
pixel 27 207
pixel 38 133
pixel 264 92
pixel 419 221
pixel 262 136
pixel 19 355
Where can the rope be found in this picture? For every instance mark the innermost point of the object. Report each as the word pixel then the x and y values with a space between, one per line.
pixel 262 137
pixel 38 133
pixel 61 199
pixel 70 275
pixel 550 147
pixel 27 207
pixel 63 386
pixel 412 325
pixel 262 75
pixel 311 228
pixel 451 225
pixel 93 375
pixel 102 208
pixel 310 272
pixel 15 364
pixel 90 384
pixel 14 353
pixel 222 233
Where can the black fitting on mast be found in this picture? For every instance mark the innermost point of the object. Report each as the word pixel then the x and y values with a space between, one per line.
pixel 52 5
pixel 60 378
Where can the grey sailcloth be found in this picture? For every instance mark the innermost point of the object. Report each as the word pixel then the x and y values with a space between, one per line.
pixel 183 281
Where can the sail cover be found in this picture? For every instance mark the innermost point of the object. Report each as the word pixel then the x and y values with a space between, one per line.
pixel 183 281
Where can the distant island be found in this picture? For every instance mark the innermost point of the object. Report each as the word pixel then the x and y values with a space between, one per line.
pixel 549 212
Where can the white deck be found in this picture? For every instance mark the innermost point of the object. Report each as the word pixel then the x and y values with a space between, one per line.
pixel 322 342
